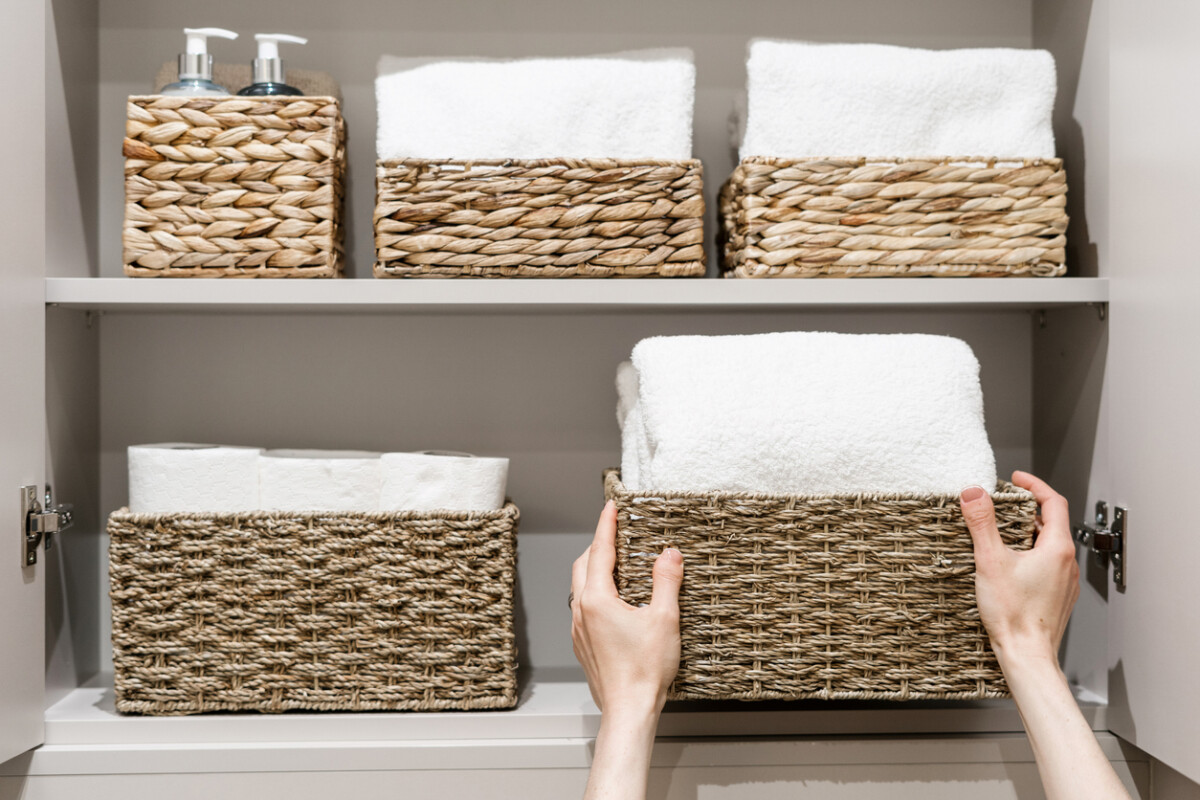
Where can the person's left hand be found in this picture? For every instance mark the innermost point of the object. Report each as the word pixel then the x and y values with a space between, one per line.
pixel 630 655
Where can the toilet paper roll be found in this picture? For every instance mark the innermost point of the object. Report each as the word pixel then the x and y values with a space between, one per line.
pixel 433 479
pixel 319 480
pixel 181 477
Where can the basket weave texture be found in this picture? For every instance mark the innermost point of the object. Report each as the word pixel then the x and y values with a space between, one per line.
pixel 268 611
pixel 827 597
pixel 858 217
pixel 553 218
pixel 246 187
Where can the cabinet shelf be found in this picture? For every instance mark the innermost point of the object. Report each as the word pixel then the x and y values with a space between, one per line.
pixel 559 296
pixel 548 710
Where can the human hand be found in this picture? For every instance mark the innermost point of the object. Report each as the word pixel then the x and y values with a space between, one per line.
pixel 630 655
pixel 1025 598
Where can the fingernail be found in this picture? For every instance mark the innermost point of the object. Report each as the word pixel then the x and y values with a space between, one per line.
pixel 609 504
pixel 972 493
pixel 671 554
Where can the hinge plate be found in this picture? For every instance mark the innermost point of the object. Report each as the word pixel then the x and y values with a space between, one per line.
pixel 1107 541
pixel 40 524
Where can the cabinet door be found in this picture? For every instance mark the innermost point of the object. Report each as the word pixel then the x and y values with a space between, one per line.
pixel 22 365
pixel 1153 376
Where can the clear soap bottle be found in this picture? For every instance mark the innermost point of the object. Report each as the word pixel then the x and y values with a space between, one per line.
pixel 195 65
pixel 268 67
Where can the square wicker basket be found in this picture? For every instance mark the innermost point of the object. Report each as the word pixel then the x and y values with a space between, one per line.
pixel 830 597
pixel 233 187
pixel 552 218
pixel 858 217
pixel 271 611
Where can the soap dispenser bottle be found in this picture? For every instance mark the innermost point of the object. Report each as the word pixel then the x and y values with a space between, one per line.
pixel 195 65
pixel 268 67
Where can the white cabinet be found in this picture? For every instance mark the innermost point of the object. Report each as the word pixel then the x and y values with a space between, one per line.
pixel 1088 379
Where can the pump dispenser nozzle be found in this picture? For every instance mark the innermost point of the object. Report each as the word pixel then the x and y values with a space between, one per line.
pixel 196 62
pixel 268 68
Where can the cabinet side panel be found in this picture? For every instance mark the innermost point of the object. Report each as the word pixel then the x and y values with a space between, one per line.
pixel 22 363
pixel 1154 378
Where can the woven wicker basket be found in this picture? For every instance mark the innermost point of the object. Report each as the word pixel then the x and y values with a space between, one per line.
pixel 854 217
pixel 267 611
pixel 233 187
pixel 829 597
pixel 554 218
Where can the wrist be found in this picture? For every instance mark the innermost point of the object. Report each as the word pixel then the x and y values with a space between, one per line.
pixel 1024 668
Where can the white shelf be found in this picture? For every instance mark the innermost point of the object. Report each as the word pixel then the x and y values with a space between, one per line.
pixel 548 710
pixel 557 296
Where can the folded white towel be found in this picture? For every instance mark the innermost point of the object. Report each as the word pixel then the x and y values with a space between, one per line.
pixel 180 477
pixel 806 413
pixel 439 480
pixel 635 105
pixel 319 480
pixel 877 100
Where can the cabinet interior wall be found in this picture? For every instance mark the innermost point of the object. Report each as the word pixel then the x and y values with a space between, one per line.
pixel 537 388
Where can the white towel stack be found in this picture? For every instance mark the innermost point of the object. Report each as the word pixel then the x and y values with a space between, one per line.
pixel 174 478
pixel 635 105
pixel 801 413
pixel 813 100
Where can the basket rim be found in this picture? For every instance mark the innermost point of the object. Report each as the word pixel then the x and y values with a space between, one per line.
pixel 594 161
pixel 861 160
pixel 1004 492
pixel 508 511
pixel 286 98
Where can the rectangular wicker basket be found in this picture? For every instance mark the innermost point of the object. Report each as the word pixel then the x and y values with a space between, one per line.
pixel 233 187
pixel 551 218
pixel 271 611
pixel 827 597
pixel 858 217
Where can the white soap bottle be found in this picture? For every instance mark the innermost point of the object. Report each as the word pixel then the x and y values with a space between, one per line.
pixel 195 65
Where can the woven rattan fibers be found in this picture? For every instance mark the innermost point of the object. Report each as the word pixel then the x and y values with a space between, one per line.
pixel 552 218
pixel 858 217
pixel 826 597
pixel 233 187
pixel 268 611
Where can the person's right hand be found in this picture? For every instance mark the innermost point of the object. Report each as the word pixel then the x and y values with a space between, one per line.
pixel 1025 598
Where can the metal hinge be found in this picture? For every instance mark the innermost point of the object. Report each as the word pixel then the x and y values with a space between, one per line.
pixel 41 523
pixel 1107 541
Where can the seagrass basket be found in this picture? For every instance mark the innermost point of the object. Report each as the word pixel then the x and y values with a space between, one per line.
pixel 827 597
pixel 551 218
pixel 858 217
pixel 271 611
pixel 233 187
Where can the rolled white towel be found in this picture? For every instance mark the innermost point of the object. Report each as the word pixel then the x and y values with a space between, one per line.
pixel 813 100
pixel 319 480
pixel 182 477
pixel 433 479
pixel 634 105
pixel 800 413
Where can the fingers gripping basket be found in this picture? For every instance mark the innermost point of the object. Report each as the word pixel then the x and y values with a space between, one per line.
pixel 267 611
pixel 829 597
pixel 552 218
pixel 233 187
pixel 857 217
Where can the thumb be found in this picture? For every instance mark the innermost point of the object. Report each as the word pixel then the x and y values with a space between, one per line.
pixel 980 517
pixel 668 577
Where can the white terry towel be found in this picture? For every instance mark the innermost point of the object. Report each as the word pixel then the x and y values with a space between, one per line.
pixel 319 480
pixel 434 479
pixel 813 100
pixel 801 413
pixel 635 105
